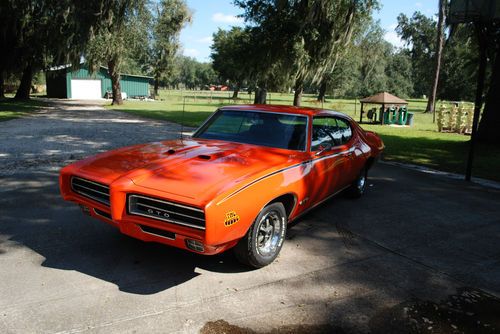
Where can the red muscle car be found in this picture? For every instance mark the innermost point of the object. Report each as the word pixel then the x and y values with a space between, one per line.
pixel 246 173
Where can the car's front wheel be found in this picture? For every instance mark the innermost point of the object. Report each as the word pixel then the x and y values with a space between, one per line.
pixel 263 241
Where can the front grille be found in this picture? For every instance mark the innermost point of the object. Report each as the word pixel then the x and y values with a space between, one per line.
pixel 166 211
pixel 90 189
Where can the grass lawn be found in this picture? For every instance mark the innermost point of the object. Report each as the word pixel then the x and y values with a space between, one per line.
pixel 10 108
pixel 420 144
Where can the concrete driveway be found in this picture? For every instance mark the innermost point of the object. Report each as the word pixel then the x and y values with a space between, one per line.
pixel 418 253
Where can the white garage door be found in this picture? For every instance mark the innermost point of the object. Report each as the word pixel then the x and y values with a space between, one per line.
pixel 85 89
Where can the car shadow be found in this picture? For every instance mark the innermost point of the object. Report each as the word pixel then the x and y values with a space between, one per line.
pixel 34 216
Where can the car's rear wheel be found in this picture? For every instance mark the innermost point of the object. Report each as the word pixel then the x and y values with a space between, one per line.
pixel 264 239
pixel 357 188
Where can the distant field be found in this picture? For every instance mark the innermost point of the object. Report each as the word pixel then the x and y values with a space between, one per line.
pixel 420 144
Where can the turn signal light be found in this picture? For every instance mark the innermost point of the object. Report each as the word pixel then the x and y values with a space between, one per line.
pixel 195 245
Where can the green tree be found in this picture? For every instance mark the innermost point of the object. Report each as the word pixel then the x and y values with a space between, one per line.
pixel 419 34
pixel 399 71
pixel 121 32
pixel 372 65
pixel 37 34
pixel 171 16
pixel 230 51
pixel 205 75
pixel 459 71
pixel 374 54
pixel 304 39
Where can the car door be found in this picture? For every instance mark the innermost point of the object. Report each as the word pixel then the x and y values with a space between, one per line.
pixel 330 158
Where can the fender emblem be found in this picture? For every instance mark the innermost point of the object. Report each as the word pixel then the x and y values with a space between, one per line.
pixel 231 218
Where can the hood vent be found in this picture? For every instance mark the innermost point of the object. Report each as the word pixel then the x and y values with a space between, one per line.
pixel 204 157
pixel 170 151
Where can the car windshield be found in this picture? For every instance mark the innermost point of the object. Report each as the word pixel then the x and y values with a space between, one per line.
pixel 257 128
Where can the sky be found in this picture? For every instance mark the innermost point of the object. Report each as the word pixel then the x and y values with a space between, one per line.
pixel 210 15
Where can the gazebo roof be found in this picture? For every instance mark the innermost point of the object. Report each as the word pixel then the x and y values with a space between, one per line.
pixel 383 98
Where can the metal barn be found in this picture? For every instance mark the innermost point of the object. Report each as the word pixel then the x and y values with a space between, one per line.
pixel 81 84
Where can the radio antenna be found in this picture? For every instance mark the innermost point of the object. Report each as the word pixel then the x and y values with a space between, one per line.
pixel 182 116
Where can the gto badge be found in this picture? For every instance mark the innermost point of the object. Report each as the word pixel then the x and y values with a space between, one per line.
pixel 231 218
pixel 158 213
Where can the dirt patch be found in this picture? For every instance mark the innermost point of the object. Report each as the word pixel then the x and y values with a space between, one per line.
pixel 221 326
pixel 468 311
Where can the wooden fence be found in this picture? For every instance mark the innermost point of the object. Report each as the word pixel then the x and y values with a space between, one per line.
pixel 455 117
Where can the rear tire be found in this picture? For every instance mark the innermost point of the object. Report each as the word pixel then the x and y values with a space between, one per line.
pixel 358 187
pixel 264 239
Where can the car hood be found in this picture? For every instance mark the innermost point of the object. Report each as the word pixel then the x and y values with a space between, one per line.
pixel 192 168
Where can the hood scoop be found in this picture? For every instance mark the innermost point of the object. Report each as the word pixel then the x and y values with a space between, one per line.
pixel 204 157
pixel 170 151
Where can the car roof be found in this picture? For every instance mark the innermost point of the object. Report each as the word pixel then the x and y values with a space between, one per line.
pixel 308 111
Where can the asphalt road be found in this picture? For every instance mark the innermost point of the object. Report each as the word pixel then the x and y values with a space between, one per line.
pixel 418 253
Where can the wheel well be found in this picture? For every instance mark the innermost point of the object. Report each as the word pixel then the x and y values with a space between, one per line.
pixel 288 201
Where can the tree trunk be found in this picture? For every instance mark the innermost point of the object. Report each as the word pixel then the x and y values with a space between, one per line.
pixel 297 96
pixel 115 83
pixel 260 96
pixel 236 91
pixel 488 131
pixel 322 92
pixel 439 51
pixel 23 92
pixel 2 86
pixel 156 86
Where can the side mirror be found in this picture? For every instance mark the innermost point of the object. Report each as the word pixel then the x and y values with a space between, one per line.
pixel 326 147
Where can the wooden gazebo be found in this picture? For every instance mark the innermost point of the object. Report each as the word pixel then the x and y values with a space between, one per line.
pixel 385 99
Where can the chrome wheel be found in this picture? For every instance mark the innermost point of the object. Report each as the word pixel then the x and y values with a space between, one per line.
pixel 358 186
pixel 361 182
pixel 264 239
pixel 269 233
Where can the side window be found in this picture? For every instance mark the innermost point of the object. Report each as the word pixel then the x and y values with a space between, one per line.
pixel 329 131
pixel 343 132
pixel 322 134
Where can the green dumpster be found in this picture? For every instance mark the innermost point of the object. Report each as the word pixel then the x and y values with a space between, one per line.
pixel 402 115
pixel 409 119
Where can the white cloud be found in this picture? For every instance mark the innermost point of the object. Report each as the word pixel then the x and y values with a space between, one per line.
pixel 223 18
pixel 205 40
pixel 393 38
pixel 191 52
pixel 418 4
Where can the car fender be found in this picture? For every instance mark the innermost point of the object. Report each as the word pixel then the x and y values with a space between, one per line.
pixel 229 216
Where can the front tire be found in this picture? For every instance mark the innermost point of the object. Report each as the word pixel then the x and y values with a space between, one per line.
pixel 264 239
